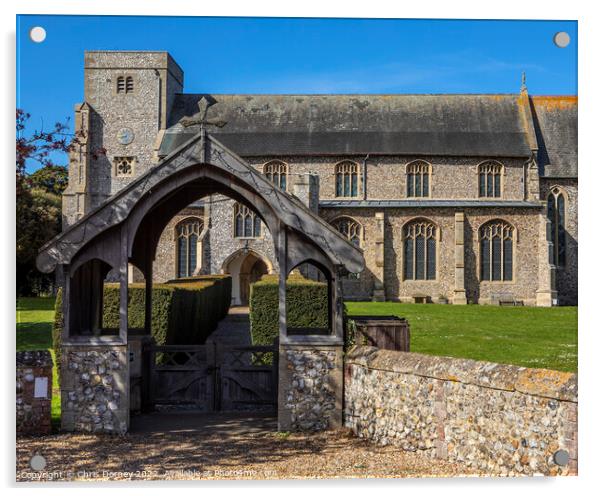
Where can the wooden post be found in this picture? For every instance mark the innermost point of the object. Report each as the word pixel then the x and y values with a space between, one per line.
pixel 123 286
pixel 66 307
pixel 148 295
pixel 283 263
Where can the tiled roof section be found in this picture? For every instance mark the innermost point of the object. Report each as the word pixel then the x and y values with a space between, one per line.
pixel 556 130
pixel 454 125
pixel 426 203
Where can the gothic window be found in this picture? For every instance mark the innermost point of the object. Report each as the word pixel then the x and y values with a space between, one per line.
pixel 496 240
pixel 418 175
pixel 346 179
pixel 420 250
pixel 276 172
pixel 352 230
pixel 247 224
pixel 187 237
pixel 490 180
pixel 124 166
pixel 349 228
pixel 556 215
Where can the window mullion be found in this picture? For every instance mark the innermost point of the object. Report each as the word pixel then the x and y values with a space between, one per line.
pixel 490 244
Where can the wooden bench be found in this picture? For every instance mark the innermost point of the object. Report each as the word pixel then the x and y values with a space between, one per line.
pixel 506 300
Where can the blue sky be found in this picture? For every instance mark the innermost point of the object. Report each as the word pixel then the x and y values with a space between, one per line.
pixel 270 55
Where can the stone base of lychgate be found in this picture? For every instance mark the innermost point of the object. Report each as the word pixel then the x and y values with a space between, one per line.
pixel 95 388
pixel 310 390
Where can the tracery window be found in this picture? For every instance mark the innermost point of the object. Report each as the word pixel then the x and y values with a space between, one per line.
pixel 124 166
pixel 346 179
pixel 276 172
pixel 418 175
pixel 420 250
pixel 247 223
pixel 556 215
pixel 349 228
pixel 496 240
pixel 352 230
pixel 187 235
pixel 490 180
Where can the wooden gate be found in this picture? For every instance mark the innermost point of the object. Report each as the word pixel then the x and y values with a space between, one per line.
pixel 214 377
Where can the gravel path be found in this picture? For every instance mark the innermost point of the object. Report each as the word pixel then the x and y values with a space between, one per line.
pixel 242 455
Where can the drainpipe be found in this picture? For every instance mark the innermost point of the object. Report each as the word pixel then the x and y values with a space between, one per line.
pixel 365 175
pixel 525 176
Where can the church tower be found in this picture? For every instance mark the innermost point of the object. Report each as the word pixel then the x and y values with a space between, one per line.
pixel 127 100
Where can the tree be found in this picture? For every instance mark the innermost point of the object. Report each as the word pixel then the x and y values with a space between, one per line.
pixel 39 195
pixel 51 178
pixel 38 198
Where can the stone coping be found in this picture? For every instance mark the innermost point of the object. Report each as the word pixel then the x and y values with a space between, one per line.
pixel 537 382
pixel 94 341
pixel 312 340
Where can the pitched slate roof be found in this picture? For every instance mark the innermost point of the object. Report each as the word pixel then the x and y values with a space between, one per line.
pixel 555 119
pixel 453 125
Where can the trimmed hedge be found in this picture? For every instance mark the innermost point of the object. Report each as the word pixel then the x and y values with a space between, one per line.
pixel 183 311
pixel 306 306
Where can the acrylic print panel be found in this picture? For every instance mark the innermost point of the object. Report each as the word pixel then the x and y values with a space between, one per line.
pixel 200 232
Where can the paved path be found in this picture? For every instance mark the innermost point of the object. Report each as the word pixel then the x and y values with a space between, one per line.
pixel 234 329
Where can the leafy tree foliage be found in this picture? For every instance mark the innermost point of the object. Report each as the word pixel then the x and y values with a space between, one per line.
pixel 38 198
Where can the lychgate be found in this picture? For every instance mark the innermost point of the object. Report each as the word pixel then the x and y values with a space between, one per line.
pixel 124 232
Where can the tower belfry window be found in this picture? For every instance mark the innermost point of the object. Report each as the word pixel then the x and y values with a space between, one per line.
pixel 120 84
pixel 125 84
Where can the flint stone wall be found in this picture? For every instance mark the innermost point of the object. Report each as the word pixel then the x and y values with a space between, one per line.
pixel 33 400
pixel 502 419
pixel 311 399
pixel 94 389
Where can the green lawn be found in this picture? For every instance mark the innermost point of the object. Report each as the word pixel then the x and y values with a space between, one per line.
pixel 527 336
pixel 34 332
pixel 531 337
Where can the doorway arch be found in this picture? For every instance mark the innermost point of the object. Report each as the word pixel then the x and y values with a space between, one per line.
pixel 245 266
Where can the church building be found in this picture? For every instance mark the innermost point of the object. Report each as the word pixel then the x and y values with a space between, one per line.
pixel 454 198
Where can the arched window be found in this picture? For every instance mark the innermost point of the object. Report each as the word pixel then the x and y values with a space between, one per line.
pixel 129 84
pixel 420 250
pixel 496 240
pixel 276 172
pixel 187 234
pixel 418 175
pixel 121 84
pixel 246 223
pixel 346 179
pixel 556 214
pixel 349 228
pixel 490 180
pixel 352 230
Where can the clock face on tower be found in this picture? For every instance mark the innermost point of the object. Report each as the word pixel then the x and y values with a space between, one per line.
pixel 125 136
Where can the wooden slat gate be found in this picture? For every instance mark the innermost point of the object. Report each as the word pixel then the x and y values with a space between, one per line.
pixel 214 377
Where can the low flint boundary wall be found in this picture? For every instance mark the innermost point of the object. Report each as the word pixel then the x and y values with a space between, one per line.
pixel 502 419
